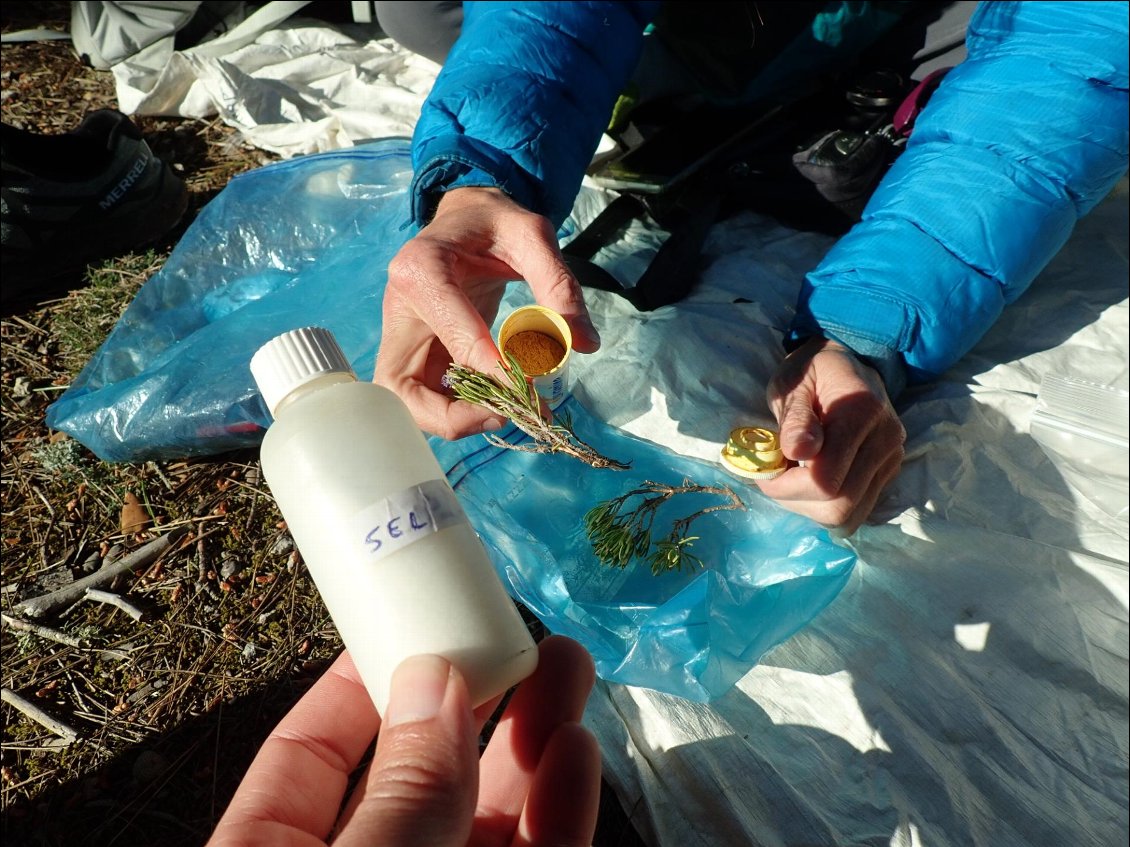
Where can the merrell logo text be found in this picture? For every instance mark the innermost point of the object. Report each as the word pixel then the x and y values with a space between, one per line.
pixel 122 187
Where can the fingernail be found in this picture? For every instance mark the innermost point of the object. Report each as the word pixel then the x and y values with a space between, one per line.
pixel 492 425
pixel 804 436
pixel 419 685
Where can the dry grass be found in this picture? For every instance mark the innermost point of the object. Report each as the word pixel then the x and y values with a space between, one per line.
pixel 168 709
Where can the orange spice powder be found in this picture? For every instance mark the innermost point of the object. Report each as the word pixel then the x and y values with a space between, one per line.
pixel 536 352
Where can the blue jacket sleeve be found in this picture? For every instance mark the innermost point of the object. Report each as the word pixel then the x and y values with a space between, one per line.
pixel 522 100
pixel 1020 141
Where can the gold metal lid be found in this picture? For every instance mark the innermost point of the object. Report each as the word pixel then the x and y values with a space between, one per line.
pixel 754 452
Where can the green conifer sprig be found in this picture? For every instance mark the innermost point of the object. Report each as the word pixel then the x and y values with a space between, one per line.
pixel 514 398
pixel 620 529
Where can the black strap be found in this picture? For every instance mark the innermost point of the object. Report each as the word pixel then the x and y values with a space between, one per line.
pixel 671 272
pixel 605 227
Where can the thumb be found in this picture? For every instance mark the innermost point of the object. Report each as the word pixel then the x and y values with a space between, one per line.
pixel 801 433
pixel 422 785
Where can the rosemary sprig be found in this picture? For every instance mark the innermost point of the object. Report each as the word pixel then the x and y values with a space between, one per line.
pixel 516 399
pixel 619 534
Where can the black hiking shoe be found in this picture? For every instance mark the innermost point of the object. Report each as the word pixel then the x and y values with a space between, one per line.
pixel 71 199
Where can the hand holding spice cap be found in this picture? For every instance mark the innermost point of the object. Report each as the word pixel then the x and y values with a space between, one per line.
pixel 444 290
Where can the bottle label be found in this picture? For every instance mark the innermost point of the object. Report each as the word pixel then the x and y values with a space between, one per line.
pixel 407 516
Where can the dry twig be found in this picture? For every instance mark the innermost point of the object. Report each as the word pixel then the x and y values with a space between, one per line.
pixel 115 600
pixel 60 728
pixel 45 604
pixel 42 631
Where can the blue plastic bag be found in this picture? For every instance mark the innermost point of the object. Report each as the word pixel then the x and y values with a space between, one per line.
pixel 308 242
pixel 691 633
pixel 301 242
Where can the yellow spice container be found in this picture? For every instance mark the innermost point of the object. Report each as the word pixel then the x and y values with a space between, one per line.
pixel 540 340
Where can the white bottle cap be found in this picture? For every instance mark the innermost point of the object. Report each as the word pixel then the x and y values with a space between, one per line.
pixel 294 358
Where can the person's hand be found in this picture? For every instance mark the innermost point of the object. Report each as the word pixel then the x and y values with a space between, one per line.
pixel 444 287
pixel 835 418
pixel 537 783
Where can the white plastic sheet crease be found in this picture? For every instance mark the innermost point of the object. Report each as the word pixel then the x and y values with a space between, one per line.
pixel 299 87
pixel 969 687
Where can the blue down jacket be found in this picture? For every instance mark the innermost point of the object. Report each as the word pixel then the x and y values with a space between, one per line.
pixel 1019 141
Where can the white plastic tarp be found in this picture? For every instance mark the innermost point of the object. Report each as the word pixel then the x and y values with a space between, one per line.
pixel 300 86
pixel 969 686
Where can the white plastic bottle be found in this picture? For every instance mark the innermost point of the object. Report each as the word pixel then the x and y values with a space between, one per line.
pixel 390 549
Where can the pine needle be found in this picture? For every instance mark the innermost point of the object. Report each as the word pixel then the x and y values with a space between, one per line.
pixel 514 398
pixel 619 535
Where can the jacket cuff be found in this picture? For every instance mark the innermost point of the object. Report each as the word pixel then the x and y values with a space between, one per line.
pixel 465 163
pixel 431 184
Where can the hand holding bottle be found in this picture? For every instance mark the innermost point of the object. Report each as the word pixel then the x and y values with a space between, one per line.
pixel 538 782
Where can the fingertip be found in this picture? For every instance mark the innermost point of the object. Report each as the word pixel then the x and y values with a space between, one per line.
pixel 579 740
pixel 841 533
pixel 768 486
pixel 570 767
pixel 419 687
pixel 492 425
pixel 558 651
pixel 573 747
pixel 421 785
pixel 801 438
pixel 803 445
pixel 586 338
